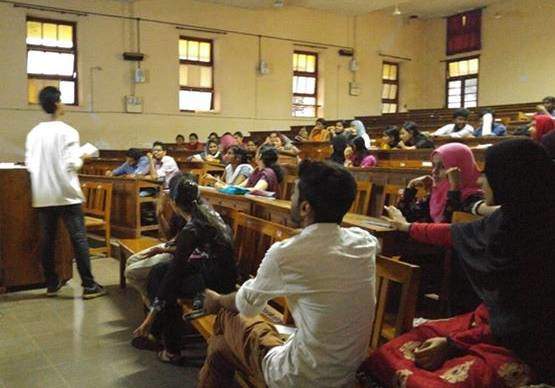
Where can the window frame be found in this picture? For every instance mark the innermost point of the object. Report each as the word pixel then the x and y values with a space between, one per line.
pixel 314 75
pixel 463 79
pixel 198 63
pixel 61 50
pixel 391 82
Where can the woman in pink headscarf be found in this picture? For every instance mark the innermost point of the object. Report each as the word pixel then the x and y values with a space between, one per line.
pixel 227 141
pixel 452 187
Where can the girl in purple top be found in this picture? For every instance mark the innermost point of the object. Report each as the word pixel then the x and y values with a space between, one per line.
pixel 358 155
pixel 268 174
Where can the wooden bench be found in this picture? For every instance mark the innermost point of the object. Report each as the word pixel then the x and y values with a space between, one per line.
pixel 97 208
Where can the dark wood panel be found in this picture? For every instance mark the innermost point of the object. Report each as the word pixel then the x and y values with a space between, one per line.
pixel 20 235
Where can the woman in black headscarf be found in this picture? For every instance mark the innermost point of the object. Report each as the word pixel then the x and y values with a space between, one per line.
pixel 509 258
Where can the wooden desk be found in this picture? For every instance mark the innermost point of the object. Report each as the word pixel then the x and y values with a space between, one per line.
pixel 221 200
pixel 126 204
pixel 20 265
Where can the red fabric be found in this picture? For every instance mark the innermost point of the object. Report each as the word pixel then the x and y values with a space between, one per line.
pixel 434 234
pixel 464 32
pixel 544 125
pixel 480 363
pixel 454 155
pixel 194 147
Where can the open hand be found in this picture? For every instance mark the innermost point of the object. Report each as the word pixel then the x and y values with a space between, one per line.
pixel 426 182
pixel 432 353
pixel 396 219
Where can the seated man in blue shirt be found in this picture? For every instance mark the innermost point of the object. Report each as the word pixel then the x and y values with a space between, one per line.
pixel 488 125
pixel 136 164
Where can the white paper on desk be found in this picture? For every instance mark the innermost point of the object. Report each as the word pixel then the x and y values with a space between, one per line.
pixel 89 150
pixel 263 193
pixel 10 166
pixel 480 146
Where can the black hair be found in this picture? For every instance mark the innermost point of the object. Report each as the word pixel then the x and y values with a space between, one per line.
pixel 484 111
pixel 159 143
pixel 238 133
pixel 393 132
pixel 360 151
pixel 227 133
pixel 411 127
pixel 48 98
pixel 180 136
pixel 461 113
pixel 241 153
pixel 134 153
pixel 269 157
pixel 186 195
pixel 550 99
pixel 213 134
pixel 193 134
pixel 328 187
pixel 321 120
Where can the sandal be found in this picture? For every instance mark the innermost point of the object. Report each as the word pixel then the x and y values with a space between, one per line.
pixel 170 358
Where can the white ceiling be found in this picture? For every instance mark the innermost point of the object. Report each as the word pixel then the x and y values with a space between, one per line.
pixel 422 8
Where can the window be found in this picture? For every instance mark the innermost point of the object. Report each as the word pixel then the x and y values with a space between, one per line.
pixel 390 88
pixel 462 83
pixel 464 32
pixel 196 74
pixel 305 84
pixel 51 58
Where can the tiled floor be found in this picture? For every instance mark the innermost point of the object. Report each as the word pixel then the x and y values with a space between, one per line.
pixel 68 342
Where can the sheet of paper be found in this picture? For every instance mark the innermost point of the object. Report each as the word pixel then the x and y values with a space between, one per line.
pixel 89 150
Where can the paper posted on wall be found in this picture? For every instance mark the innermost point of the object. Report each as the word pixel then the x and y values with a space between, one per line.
pixel 89 150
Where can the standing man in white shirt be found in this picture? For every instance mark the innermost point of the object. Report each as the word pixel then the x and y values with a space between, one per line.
pixel 459 127
pixel 327 274
pixel 162 166
pixel 53 157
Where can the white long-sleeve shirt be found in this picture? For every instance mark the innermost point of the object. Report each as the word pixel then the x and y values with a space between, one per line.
pixel 53 157
pixel 327 274
pixel 449 130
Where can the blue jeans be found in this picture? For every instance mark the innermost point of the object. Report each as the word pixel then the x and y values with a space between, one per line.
pixel 72 216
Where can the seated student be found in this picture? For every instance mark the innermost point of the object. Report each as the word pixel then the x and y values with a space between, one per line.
pixel 390 138
pixel 319 132
pixel 357 155
pixel 268 174
pixel 360 131
pixel 327 275
pixel 251 147
pixel 281 143
pixel 459 127
pixel 239 138
pixel 136 164
pixel 548 142
pixel 453 186
pixel 210 154
pixel 509 258
pixel 339 143
pixel 237 170
pixel 542 125
pixel 412 139
pixel 194 144
pixel 179 143
pixel 213 137
pixel 302 136
pixel 547 107
pixel 490 127
pixel 203 258
pixel 162 166
pixel 138 266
